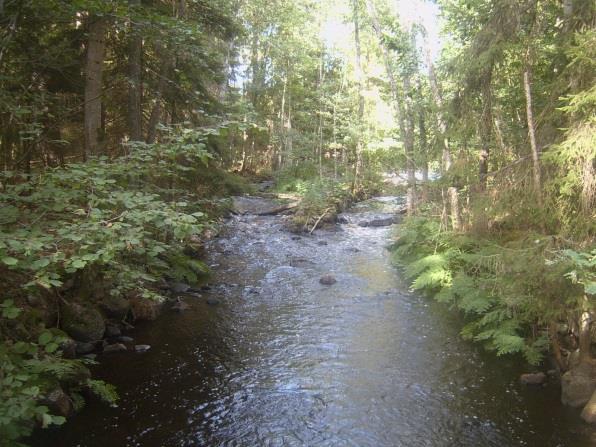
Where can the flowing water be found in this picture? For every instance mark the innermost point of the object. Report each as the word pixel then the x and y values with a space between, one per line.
pixel 286 361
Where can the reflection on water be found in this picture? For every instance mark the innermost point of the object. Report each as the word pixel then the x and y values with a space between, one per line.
pixel 286 361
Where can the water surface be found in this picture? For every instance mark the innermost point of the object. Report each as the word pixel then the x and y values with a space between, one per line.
pixel 286 361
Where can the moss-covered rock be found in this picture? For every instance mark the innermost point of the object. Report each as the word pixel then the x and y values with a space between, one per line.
pixel 145 309
pixel 115 307
pixel 83 323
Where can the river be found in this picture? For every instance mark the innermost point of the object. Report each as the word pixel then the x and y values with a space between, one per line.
pixel 286 361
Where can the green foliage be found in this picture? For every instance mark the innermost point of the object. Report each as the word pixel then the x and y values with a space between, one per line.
pixel 28 372
pixel 508 293
pixel 320 199
pixel 583 271
pixel 128 219
pixel 116 215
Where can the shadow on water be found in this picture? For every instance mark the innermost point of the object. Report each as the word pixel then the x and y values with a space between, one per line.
pixel 284 360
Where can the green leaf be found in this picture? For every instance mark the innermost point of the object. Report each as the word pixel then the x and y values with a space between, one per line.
pixel 51 347
pixel 590 288
pixel 44 338
pixel 8 260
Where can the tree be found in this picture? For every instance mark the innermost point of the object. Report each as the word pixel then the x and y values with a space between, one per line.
pixel 96 47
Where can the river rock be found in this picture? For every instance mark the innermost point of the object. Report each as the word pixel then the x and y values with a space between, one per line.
pixel 327 280
pixel 378 221
pixel 212 301
pixel 142 348
pixel 251 205
pixel 69 348
pixel 589 412
pixel 533 378
pixel 322 243
pixel 342 219
pixel 83 323
pixel 112 331
pixel 116 347
pixel 145 309
pixel 573 359
pixel 577 386
pixel 179 287
pixel 125 339
pixel 265 185
pixel 180 306
pixel 115 307
pixel 83 348
pixel 58 402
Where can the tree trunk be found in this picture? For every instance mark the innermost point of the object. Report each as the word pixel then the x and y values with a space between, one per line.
pixel 321 105
pixel 532 131
pixel 93 83
pixel 135 50
pixel 455 208
pixel 409 146
pixel 423 144
pixel 359 75
pixel 485 130
pixel 156 111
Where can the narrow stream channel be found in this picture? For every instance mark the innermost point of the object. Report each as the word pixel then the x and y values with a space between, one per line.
pixel 286 361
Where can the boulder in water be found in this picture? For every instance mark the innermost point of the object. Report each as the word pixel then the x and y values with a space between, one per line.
pixel 179 287
pixel 83 348
pixel 533 378
pixel 145 309
pixel 58 402
pixel 112 331
pixel 589 411
pixel 378 221
pixel 115 307
pixel 116 347
pixel 180 306
pixel 578 385
pixel 83 323
pixel 327 280
pixel 142 348
pixel 342 219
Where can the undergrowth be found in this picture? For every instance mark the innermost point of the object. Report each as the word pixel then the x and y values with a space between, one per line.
pixel 130 221
pixel 510 291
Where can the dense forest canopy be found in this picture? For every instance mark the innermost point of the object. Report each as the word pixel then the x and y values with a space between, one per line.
pixel 123 124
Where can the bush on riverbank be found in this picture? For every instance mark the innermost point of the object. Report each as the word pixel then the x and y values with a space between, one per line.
pixel 77 244
pixel 518 293
pixel 321 199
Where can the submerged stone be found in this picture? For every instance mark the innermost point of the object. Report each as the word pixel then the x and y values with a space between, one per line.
pixel 116 347
pixel 577 386
pixel 212 301
pixel 142 348
pixel 589 412
pixel 327 280
pixel 533 378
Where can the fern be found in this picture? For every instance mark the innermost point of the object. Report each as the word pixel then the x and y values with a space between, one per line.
pixel 105 391
pixel 432 279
